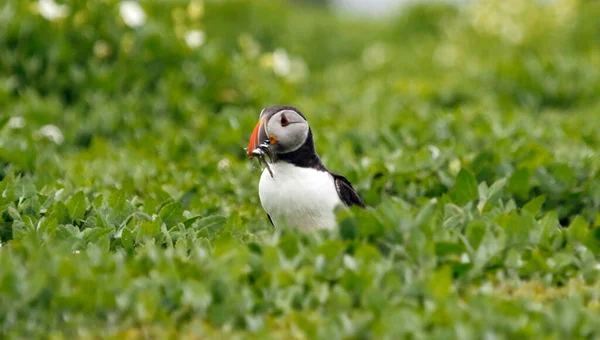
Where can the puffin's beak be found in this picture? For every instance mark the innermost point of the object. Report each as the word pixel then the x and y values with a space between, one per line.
pixel 259 135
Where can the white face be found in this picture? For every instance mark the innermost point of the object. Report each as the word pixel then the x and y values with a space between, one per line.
pixel 288 129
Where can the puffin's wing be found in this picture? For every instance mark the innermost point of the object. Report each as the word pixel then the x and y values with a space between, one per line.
pixel 346 192
pixel 270 220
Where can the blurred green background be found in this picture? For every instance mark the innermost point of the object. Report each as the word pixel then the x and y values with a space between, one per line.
pixel 469 130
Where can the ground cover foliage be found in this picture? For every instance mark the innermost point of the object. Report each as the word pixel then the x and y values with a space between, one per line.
pixel 128 208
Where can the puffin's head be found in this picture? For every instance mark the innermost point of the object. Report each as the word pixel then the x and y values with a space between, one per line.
pixel 284 127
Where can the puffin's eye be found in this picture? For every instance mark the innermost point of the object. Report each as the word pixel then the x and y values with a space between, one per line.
pixel 284 120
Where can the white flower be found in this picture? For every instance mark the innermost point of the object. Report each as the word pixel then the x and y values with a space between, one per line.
pixel 281 62
pixel 224 164
pixel 51 10
pixel 455 166
pixel 292 69
pixel 194 38
pixel 53 133
pixel 350 263
pixel 486 288
pixel 16 122
pixel 132 13
pixel 435 152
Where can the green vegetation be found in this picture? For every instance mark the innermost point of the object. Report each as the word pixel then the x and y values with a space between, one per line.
pixel 128 208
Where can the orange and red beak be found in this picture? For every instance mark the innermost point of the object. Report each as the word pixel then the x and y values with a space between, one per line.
pixel 259 135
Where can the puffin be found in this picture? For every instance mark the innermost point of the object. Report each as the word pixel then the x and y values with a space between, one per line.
pixel 295 188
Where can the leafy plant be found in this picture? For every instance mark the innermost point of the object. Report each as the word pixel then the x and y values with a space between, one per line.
pixel 128 208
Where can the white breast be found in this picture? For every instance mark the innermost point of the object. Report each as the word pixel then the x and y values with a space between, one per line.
pixel 300 197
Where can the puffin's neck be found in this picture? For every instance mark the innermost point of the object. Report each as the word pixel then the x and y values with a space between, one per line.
pixel 305 156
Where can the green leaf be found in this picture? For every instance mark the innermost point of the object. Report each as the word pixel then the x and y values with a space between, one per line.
pixel 100 220
pixel 93 235
pixel 594 240
pixel 48 226
pixel 149 228
pixel 76 206
pixel 552 234
pixel 448 248
pixel 495 191
pixel 7 188
pixel 513 259
pixel 118 208
pixel 171 214
pixel 187 223
pixel 367 253
pixel 18 229
pixel 454 216
pixel 117 199
pixel 474 233
pixel 519 183
pixel 98 201
pixel 127 239
pixel 68 231
pixel 518 228
pixel 14 213
pixel 440 283
pixel 60 212
pixel 25 188
pixel 30 206
pixel 465 189
pixel 347 225
pixel 210 225
pixel 578 230
pixel 289 245
pixel 425 214
pixel 535 205
pixel 331 249
pixel 4 120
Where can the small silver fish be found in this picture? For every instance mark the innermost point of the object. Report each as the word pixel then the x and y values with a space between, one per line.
pixel 262 152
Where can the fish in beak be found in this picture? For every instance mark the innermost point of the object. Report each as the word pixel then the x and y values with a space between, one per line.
pixel 260 145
